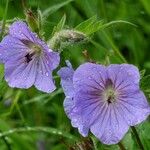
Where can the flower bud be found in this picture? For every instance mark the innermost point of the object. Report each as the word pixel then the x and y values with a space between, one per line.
pixel 32 20
pixel 67 37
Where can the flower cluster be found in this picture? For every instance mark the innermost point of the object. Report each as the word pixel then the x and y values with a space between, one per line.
pixel 104 100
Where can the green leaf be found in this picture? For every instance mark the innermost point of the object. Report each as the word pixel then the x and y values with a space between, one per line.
pixel 91 25
pixel 106 25
pixel 145 83
pixel 142 73
pixel 54 8
pixel 146 5
pixel 143 130
pixel 60 25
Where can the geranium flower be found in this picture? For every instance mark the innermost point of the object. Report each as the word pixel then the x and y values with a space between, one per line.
pixel 28 60
pixel 104 100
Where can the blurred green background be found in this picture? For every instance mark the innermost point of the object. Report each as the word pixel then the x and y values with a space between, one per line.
pixel 23 108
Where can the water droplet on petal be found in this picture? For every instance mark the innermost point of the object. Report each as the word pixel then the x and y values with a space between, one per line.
pixel 89 78
pixel 74 109
pixel 47 74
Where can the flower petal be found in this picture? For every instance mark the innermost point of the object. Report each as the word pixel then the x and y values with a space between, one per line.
pixel 75 116
pixel 44 80
pixel 68 106
pixel 66 74
pixel 90 77
pixel 53 59
pixel 19 74
pixel 11 47
pixel 86 110
pixel 124 76
pixel 110 127
pixel 134 108
pixel 20 30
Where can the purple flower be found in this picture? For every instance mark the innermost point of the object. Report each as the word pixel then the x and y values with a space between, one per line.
pixel 104 100
pixel 28 60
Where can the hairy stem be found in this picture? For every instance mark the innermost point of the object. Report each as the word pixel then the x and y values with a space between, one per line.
pixel 48 130
pixel 137 138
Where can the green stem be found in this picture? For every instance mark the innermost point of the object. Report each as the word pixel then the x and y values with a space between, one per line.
pixel 15 104
pixel 137 137
pixel 94 143
pixel 115 49
pixel 24 5
pixel 20 114
pixel 6 142
pixel 4 19
pixel 121 146
pixel 101 4
pixel 48 130
pixel 15 101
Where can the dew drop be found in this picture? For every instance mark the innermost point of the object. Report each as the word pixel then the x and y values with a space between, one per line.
pixel 89 78
pixel 47 62
pixel 74 120
pixel 47 74
pixel 69 79
pixel 74 109
pixel 77 81
pixel 129 73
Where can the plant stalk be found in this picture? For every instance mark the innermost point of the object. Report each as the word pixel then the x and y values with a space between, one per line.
pixel 137 138
pixel 121 146
pixel 4 19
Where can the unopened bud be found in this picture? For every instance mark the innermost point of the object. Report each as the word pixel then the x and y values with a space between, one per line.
pixel 65 38
pixel 32 20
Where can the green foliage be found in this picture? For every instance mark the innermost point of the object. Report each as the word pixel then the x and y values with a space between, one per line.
pixel 29 118
pixel 89 26
pixel 54 8
pixel 60 25
pixel 145 83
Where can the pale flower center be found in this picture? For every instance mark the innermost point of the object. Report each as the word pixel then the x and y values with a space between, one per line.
pixel 34 49
pixel 109 94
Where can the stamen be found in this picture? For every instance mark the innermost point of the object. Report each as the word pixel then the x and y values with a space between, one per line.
pixel 109 94
pixel 29 57
pixel 33 47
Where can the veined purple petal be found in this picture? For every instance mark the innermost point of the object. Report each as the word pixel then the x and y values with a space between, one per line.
pixel 134 108
pixel 44 80
pixel 20 30
pixel 11 47
pixel 52 59
pixel 90 77
pixel 22 75
pixel 66 75
pixel 68 106
pixel 110 127
pixel 88 107
pixel 124 76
